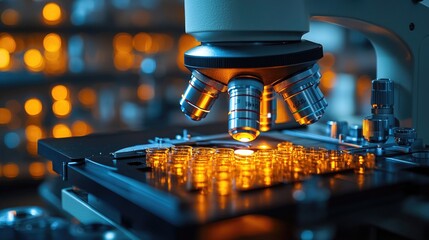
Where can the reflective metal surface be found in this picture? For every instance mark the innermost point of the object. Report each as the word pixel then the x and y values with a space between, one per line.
pixel 268 109
pixel 269 62
pixel 300 183
pixel 303 96
pixel 200 96
pixel 336 128
pixel 15 216
pixel 355 132
pixel 382 96
pixel 375 130
pixel 404 136
pixel 382 100
pixel 244 108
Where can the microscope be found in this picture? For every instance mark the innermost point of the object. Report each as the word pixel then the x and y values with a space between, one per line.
pixel 276 184
pixel 252 48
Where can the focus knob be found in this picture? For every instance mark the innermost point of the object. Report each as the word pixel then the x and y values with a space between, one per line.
pixel 335 128
pixel 382 96
pixel 404 136
pixel 375 130
pixel 355 132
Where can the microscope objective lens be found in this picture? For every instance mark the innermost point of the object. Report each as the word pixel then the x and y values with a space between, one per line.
pixel 244 108
pixel 303 96
pixel 200 96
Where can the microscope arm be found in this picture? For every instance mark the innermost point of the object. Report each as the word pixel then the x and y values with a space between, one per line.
pixel 399 32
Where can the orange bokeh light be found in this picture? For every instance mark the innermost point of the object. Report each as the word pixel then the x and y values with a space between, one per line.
pixel 61 108
pixel 37 169
pixel 61 131
pixel 33 133
pixel 5 116
pixel 52 42
pixel 186 42
pixel 10 170
pixel 4 58
pixel 145 92
pixel 328 79
pixel 34 60
pixel 81 128
pixel 123 61
pixel 51 13
pixel 32 148
pixel 7 42
pixel 59 92
pixel 123 42
pixel 10 17
pixel 363 85
pixel 87 97
pixel 142 42
pixel 33 106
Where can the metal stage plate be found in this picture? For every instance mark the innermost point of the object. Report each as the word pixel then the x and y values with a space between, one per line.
pixel 149 203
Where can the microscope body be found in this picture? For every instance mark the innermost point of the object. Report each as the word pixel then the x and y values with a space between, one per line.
pixel 289 185
pixel 241 38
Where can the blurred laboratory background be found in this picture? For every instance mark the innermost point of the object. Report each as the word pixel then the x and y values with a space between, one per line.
pixel 77 67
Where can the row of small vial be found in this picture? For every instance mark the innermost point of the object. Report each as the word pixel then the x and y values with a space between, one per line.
pixel 223 169
pixel 287 156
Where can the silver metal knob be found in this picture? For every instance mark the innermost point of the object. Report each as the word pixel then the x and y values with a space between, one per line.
pixel 335 128
pixel 404 136
pixel 355 132
pixel 382 96
pixel 375 130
